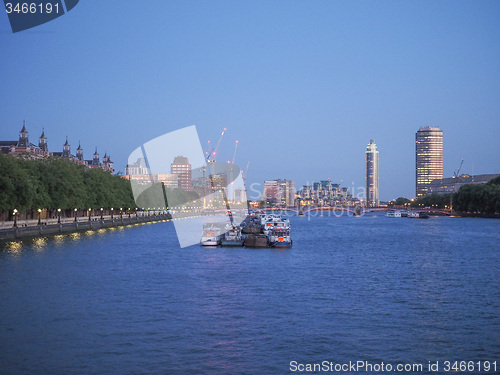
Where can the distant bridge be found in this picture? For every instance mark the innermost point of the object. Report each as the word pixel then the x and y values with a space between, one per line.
pixel 310 209
pixel 441 212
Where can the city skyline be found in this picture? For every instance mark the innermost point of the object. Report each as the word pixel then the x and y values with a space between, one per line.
pixel 311 82
pixel 428 165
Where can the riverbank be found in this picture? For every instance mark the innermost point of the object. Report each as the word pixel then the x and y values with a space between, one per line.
pixel 476 215
pixel 49 228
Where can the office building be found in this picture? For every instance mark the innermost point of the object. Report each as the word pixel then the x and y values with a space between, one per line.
pixel 137 168
pixel 182 169
pixel 429 158
pixel 280 192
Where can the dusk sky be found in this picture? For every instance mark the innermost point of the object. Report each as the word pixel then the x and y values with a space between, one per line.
pixel 303 85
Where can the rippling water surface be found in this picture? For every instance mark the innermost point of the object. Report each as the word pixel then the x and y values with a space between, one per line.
pixel 128 301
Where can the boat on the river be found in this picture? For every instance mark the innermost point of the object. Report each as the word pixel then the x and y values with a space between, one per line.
pixel 393 213
pixel 211 236
pixel 280 237
pixel 232 237
pixel 256 240
pixel 418 215
pixel 276 222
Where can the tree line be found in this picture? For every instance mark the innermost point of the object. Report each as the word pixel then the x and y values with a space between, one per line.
pixel 470 198
pixel 53 183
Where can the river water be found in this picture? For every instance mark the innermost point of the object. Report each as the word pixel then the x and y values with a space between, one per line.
pixel 370 288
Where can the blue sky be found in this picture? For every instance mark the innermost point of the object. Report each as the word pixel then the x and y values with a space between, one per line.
pixel 303 85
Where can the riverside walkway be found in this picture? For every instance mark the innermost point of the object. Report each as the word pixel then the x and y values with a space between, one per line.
pixel 34 228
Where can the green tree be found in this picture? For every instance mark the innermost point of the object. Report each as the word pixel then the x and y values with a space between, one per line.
pixel 54 183
pixel 401 201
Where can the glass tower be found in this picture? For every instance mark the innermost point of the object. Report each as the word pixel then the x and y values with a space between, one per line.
pixel 429 157
pixel 372 174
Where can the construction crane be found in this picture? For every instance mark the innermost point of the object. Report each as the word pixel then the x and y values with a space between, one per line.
pixel 213 152
pixel 231 168
pixel 245 185
pixel 208 151
pixel 234 153
pixel 457 173
pixel 244 175
pixel 211 159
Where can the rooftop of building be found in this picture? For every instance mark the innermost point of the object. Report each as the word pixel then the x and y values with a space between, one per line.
pixel 463 179
pixel 181 160
pixel 429 128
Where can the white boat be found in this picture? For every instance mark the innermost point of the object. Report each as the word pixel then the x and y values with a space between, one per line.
pixel 393 213
pixel 276 222
pixel 232 237
pixel 418 215
pixel 280 237
pixel 264 218
pixel 211 236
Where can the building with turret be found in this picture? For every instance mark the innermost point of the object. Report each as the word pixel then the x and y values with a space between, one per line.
pixel 42 144
pixel 107 164
pixel 24 148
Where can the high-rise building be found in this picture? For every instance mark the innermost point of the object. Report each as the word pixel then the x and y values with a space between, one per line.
pixel 240 195
pixel 137 168
pixel 429 158
pixel 287 190
pixel 182 169
pixel 281 192
pixel 372 198
pixel 271 191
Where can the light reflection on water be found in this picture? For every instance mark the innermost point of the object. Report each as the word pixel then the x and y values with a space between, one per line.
pixel 39 244
pixel 75 236
pixel 59 238
pixel 14 247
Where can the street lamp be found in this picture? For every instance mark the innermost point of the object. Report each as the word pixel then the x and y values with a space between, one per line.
pixel 15 217
pixel 58 216
pixel 111 213
pixel 75 214
pixel 121 213
pixel 39 215
pixel 90 214
pixel 102 218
